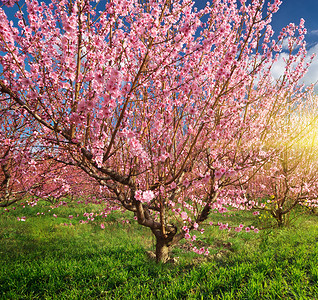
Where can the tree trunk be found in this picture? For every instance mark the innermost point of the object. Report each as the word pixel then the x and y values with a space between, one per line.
pixel 280 219
pixel 162 250
pixel 164 242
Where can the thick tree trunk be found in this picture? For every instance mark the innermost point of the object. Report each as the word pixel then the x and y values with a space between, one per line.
pixel 279 218
pixel 164 242
pixel 162 250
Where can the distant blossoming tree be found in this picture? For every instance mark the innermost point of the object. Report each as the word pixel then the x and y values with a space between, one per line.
pixel 290 178
pixel 163 104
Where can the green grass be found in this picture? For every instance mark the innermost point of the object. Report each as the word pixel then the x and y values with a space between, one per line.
pixel 43 259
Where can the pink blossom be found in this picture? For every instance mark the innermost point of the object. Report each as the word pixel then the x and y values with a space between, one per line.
pixel 26 81
pixel 173 185
pixel 185 228
pixel 138 195
pixel 186 182
pixel 145 196
pixel 99 78
pixel 9 3
pixel 230 173
pixel 222 170
pixel 148 196
pixel 238 229
pixel 223 226
pixel 206 178
pixel 102 226
pixel 184 215
pixel 218 174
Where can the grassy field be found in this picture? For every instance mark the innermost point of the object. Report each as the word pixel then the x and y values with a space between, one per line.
pixel 46 258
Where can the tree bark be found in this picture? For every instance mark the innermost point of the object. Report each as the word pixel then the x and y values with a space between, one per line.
pixel 164 242
pixel 162 250
pixel 280 219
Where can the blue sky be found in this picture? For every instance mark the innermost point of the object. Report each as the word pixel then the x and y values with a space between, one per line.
pixel 292 10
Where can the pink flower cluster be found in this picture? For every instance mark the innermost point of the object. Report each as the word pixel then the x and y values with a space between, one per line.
pixel 144 196
pixel 9 3
pixel 237 229
pixel 137 150
pixel 204 251
pixel 247 229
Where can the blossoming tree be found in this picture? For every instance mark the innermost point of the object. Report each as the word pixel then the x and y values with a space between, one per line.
pixel 288 179
pixel 27 171
pixel 15 155
pixel 161 103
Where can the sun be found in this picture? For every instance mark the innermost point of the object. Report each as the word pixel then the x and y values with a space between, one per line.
pixel 305 133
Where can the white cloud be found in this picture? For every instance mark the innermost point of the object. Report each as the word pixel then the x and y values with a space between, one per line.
pixel 279 66
pixel 313 32
pixel 312 74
